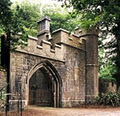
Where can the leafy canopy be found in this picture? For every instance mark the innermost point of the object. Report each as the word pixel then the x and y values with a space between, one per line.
pixel 20 20
pixel 98 13
pixel 104 15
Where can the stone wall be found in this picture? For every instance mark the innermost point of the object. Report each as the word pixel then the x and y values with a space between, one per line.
pixel 72 73
pixel 107 86
pixel 74 58
pixel 22 63
pixel 3 91
pixel 42 50
pixel 71 70
pixel 62 36
pixel 74 82
pixel 75 62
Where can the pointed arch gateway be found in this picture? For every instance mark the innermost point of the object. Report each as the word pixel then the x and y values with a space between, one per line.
pixel 44 85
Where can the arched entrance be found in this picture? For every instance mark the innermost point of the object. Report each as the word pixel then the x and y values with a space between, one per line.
pixel 44 85
pixel 41 89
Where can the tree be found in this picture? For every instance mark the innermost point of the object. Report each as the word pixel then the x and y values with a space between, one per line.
pixel 105 16
pixel 59 20
pixel 9 24
pixel 60 17
pixel 107 70
pixel 5 12
pixel 15 24
pixel 18 22
pixel 29 14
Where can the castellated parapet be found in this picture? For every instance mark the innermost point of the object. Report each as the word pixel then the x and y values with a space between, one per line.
pixel 43 50
pixel 62 36
pixel 53 47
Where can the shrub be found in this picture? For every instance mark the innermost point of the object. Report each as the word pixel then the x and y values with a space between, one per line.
pixel 110 99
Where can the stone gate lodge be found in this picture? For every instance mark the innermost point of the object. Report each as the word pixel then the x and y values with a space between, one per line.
pixel 58 69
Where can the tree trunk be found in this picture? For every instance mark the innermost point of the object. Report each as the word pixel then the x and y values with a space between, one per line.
pixel 117 35
pixel 5 61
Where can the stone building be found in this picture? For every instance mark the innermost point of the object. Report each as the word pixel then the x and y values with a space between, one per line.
pixel 57 70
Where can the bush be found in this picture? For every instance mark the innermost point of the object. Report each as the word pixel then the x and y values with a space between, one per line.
pixel 110 99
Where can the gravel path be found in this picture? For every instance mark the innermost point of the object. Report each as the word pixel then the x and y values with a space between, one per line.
pixel 38 111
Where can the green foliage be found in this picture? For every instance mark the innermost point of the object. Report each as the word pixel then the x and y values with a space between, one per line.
pixel 60 18
pixel 5 12
pixel 110 99
pixel 107 69
pixel 64 21
pixel 97 13
pixel 104 15
pixel 11 24
pixel 18 22
pixel 28 14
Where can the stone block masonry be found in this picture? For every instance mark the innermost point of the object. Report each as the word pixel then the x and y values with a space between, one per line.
pixel 61 65
pixel 3 78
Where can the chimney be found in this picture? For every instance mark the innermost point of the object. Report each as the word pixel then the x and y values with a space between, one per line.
pixel 43 29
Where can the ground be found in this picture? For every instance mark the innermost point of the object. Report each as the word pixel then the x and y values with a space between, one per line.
pixel 38 111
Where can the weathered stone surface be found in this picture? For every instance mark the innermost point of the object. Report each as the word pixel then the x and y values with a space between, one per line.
pixel 70 60
pixel 3 89
pixel 106 86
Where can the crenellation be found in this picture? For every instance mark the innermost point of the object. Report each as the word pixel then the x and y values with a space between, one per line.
pixel 45 49
pixel 33 38
pixel 60 29
pixel 52 50
pixel 62 36
pixel 92 32
pixel 46 45
pixel 70 38
pixel 39 47
pixel 75 35
pixel 58 46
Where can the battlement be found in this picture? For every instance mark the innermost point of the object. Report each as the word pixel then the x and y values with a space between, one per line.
pixel 59 36
pixel 53 47
pixel 62 36
pixel 43 50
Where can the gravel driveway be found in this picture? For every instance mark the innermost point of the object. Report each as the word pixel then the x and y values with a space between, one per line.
pixel 38 111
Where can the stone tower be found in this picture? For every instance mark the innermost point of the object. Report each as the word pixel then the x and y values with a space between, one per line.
pixel 91 59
